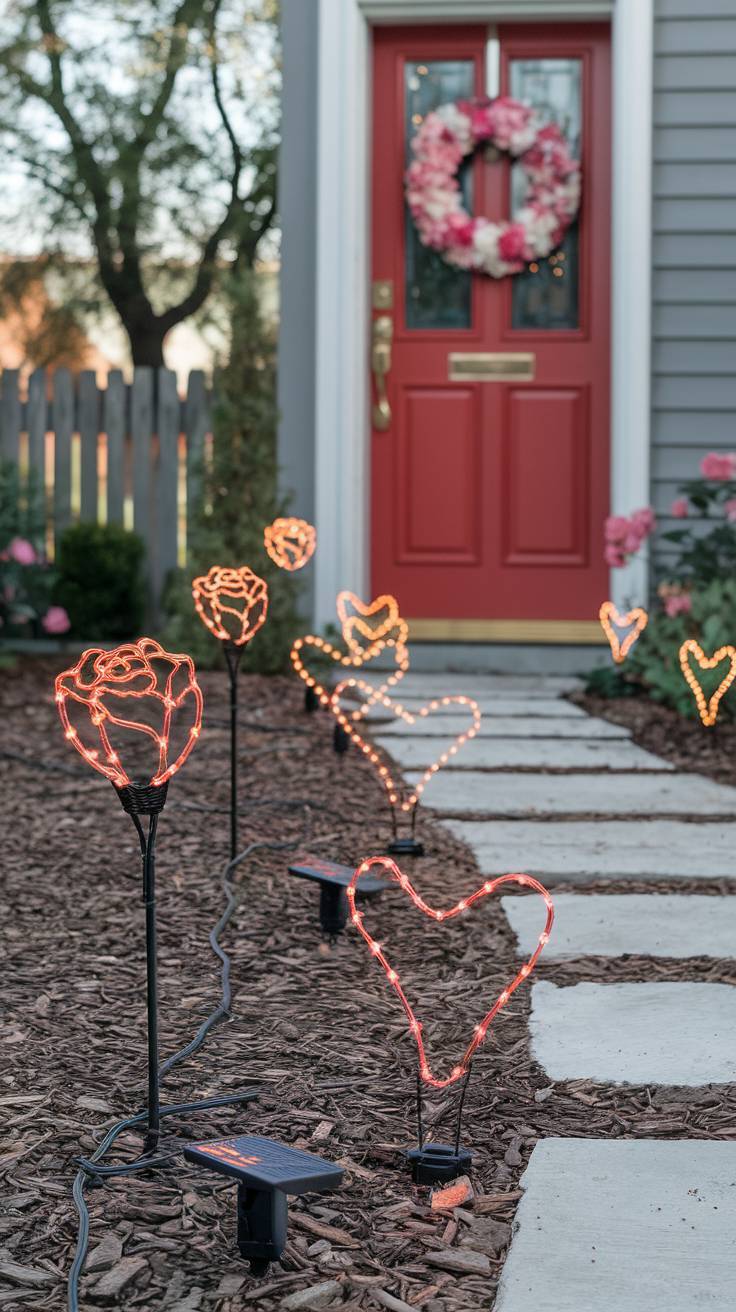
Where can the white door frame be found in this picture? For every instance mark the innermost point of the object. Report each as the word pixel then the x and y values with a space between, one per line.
pixel 342 431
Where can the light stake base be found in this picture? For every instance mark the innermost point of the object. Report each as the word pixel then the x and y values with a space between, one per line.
pixel 405 847
pixel 340 740
pixel 311 700
pixel 436 1163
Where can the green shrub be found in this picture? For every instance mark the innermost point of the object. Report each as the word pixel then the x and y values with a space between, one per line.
pixel 239 497
pixel 100 582
pixel 655 659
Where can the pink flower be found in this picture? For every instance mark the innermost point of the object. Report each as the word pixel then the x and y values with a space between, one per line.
pixel 730 509
pixel 616 528
pixel 678 603
pixel 22 551
pixel 512 243
pixel 719 467
pixel 56 620
pixel 614 555
pixel 644 521
pixel 679 508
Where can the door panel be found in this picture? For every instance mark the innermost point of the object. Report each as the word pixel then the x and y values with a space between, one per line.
pixel 488 497
pixel 546 464
pixel 439 517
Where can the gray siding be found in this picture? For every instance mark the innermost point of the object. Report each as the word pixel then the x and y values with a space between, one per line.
pixel 298 208
pixel 694 241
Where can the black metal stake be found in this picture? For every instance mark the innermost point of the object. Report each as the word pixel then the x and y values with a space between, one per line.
pixel 232 657
pixel 137 800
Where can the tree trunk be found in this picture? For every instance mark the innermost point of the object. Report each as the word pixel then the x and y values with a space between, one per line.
pixel 147 346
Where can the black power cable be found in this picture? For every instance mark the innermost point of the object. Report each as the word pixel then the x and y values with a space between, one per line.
pixel 91 1168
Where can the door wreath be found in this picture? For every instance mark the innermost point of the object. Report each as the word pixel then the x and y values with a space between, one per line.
pixel 452 132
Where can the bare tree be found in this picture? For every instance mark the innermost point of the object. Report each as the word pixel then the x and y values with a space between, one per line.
pixel 142 136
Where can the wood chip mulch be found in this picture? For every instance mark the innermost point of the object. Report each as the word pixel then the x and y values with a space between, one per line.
pixel 687 744
pixel 315 1025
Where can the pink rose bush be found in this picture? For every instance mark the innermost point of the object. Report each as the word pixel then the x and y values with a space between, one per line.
pixel 698 597
pixel 56 620
pixel 20 550
pixel 624 536
pixel 497 248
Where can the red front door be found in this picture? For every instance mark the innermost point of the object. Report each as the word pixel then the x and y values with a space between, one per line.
pixel 488 497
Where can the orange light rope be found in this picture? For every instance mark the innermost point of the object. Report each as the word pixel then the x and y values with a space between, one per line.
pixel 290 542
pixel 707 710
pixel 635 620
pixel 134 671
pixel 214 594
pixel 465 904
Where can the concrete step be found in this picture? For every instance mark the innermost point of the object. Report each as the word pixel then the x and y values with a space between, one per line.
pixel 584 850
pixel 658 1033
pixel 624 1226
pixel 647 925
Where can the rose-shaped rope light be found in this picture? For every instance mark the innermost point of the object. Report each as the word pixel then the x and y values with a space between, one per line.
pixel 707 708
pixel 131 704
pixel 290 543
pixel 634 620
pixel 440 916
pixel 96 700
pixel 233 604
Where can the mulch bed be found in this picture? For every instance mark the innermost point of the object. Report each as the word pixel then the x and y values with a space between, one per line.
pixel 688 744
pixel 315 1025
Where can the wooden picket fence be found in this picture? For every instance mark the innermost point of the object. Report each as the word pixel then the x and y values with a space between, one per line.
pixel 124 453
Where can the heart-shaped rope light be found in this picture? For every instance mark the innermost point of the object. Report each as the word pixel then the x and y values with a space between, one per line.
pixel 135 672
pixel 379 759
pixel 355 618
pixel 634 620
pixel 390 633
pixel 290 543
pixel 216 596
pixel 465 904
pixel 707 710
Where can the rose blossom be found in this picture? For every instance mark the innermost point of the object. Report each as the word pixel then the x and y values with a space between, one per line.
pixel 720 467
pixel 56 620
pixel 680 508
pixel 678 603
pixel 22 551
pixel 613 555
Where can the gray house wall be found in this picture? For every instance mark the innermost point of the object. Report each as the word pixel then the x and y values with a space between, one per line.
pixel 298 208
pixel 694 240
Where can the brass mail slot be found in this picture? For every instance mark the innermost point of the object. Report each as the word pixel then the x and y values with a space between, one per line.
pixel 491 366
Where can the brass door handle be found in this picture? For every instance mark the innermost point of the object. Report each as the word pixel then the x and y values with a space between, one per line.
pixel 381 338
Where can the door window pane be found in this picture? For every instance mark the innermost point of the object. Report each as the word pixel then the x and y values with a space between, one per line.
pixel 546 294
pixel 437 296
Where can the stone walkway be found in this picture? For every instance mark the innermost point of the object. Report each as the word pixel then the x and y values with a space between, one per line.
pixel 619 1226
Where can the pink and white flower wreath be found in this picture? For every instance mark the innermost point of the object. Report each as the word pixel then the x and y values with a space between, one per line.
pixel 433 194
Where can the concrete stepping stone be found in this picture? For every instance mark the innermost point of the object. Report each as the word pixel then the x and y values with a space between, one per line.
pixel 656 1033
pixel 647 925
pixel 512 753
pixel 496 685
pixel 529 707
pixel 583 850
pixel 585 794
pixel 624 1226
pixel 507 726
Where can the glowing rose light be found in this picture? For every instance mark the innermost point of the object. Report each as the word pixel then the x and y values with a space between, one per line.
pixel 380 761
pixel 707 709
pixel 98 699
pixel 233 603
pixel 290 542
pixel 440 916
pixel 138 702
pixel 634 620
